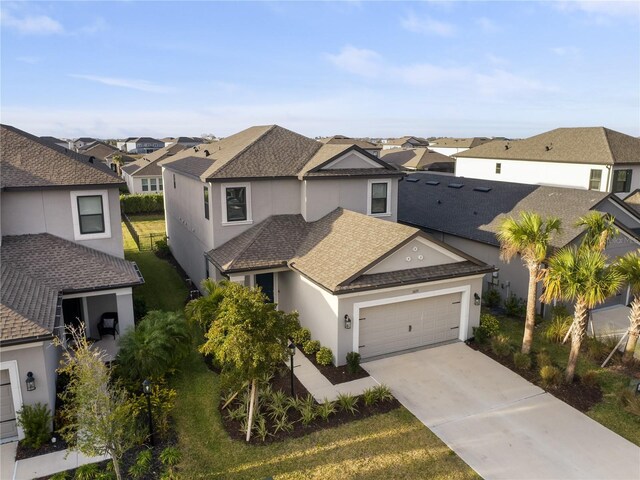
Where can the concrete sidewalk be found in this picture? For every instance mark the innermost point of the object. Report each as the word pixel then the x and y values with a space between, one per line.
pixel 319 386
pixel 501 425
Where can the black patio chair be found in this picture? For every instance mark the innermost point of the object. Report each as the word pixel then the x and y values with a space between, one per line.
pixel 108 324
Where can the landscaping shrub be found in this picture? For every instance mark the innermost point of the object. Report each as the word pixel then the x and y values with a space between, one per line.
pixel 491 298
pixel 301 336
pixel 590 378
pixel 543 359
pixel 282 424
pixel 489 326
pixel 162 404
pixel 142 465
pixel 170 457
pixel 551 376
pixel 369 396
pixel 383 393
pixel 260 427
pixel 353 362
pixel 59 476
pixel 87 472
pixel 36 422
pixel 347 403
pixel 141 203
pixel 310 347
pixel 514 306
pixel 324 356
pixel 326 409
pixel 161 247
pixel 500 346
pixel 522 361
pixel 558 328
pixel 308 413
pixel 629 401
pixel 596 350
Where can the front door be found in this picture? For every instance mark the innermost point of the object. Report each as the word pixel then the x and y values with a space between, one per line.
pixel 72 312
pixel 265 281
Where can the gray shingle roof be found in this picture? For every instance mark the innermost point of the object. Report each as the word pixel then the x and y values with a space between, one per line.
pixel 342 140
pixel 149 165
pixel 99 150
pixel 475 215
pixel 417 158
pixel 633 200
pixel 591 145
pixel 50 139
pixel 28 162
pixel 459 142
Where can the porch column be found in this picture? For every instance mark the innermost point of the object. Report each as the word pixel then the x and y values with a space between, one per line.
pixel 124 301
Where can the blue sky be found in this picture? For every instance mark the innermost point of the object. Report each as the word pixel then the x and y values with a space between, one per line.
pixel 114 69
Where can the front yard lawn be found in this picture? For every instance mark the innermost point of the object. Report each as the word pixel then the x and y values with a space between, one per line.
pixel 392 445
pixel 611 379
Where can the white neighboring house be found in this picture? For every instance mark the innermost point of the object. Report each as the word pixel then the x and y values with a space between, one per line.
pixel 590 158
pixel 453 146
pixel 62 263
pixel 140 145
pixel 184 141
pixel 145 175
pixel 314 225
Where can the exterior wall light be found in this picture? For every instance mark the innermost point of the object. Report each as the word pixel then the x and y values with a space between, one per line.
pixel 31 382
pixel 347 322
pixel 476 299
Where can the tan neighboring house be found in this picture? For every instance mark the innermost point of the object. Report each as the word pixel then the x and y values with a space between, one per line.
pixel 367 146
pixel 418 159
pixel 62 263
pixel 145 174
pixel 314 225
pixel 590 158
pixel 404 142
pixel 453 146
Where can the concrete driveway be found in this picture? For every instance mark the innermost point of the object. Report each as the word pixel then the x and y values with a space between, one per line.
pixel 501 425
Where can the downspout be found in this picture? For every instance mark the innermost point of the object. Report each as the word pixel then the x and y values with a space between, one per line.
pixel 608 178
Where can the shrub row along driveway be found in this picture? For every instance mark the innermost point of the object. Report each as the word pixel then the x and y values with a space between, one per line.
pixel 500 424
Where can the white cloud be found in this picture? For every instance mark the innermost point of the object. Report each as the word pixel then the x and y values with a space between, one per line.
pixel 565 51
pixel 427 25
pixel 31 24
pixel 487 25
pixel 602 8
pixel 29 59
pixel 133 84
pixel 501 82
pixel 357 60
pixel 97 26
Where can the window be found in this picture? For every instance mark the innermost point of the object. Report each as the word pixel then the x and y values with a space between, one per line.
pixel 236 203
pixel 90 214
pixel 594 179
pixel 160 184
pixel 206 268
pixel 145 184
pixel 379 197
pixel 206 202
pixel 498 168
pixel 621 181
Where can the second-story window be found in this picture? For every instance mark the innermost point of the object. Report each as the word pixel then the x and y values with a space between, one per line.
pixel 236 204
pixel 498 168
pixel 621 181
pixel 206 202
pixel 379 197
pixel 90 214
pixel 594 179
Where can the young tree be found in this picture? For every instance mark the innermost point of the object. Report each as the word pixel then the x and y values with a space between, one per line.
pixel 155 347
pixel 529 237
pixel 204 310
pixel 249 337
pixel 629 267
pixel 580 275
pixel 99 413
pixel 600 229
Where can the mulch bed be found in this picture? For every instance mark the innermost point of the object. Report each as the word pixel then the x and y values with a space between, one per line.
pixel 580 396
pixel 335 375
pixel 23 451
pixel 282 382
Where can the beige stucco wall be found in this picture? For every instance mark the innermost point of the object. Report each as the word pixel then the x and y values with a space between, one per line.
pixel 353 160
pixel 49 211
pixel 409 257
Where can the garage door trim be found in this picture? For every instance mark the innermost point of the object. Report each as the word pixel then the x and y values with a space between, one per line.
pixel 464 309
pixel 12 366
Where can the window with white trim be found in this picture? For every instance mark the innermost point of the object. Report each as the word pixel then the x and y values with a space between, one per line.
pixel 90 213
pixel 236 203
pixel 595 177
pixel 145 184
pixel 379 197
pixel 206 201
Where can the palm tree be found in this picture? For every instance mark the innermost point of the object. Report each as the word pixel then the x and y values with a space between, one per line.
pixel 204 310
pixel 600 229
pixel 582 276
pixel 529 237
pixel 629 267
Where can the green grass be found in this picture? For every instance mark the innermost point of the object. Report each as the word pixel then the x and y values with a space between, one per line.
pixel 163 288
pixel 393 445
pixel 608 412
pixel 146 224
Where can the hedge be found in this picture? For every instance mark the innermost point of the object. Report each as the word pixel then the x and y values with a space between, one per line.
pixel 141 203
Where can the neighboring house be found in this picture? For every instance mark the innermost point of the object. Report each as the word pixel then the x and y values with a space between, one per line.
pixel 116 160
pixel 404 142
pixel 142 145
pixel 314 226
pixel 122 144
pixel 145 174
pixel 56 141
pixel 62 263
pixel 633 200
pixel 79 143
pixel 99 150
pixel 184 141
pixel 591 158
pixel 418 159
pixel 453 146
pixel 466 213
pixel 367 146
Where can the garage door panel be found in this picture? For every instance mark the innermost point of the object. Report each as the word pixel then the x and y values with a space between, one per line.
pixel 411 324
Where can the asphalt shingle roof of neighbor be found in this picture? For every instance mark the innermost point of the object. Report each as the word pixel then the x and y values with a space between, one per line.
pixel 28 162
pixel 37 268
pixel 150 164
pixel 99 150
pixel 148 140
pixel 416 158
pixel 591 145
pixel 342 140
pixel 459 142
pixel 476 215
pixel 50 139
pixel 403 140
pixel 633 200
pixel 332 251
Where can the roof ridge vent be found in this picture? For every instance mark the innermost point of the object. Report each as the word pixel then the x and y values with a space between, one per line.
pixel 456 185
pixel 506 147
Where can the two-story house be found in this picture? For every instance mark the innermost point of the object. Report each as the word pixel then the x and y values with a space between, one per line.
pixel 142 145
pixel 145 174
pixel 62 263
pixel 404 142
pixel 366 145
pixel 453 146
pixel 591 158
pixel 314 225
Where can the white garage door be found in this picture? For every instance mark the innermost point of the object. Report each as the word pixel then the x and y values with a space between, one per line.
pixel 416 323
pixel 8 427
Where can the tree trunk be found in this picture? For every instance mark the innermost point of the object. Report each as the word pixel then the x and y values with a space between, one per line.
pixel 252 402
pixel 634 329
pixel 530 321
pixel 577 334
pixel 116 467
